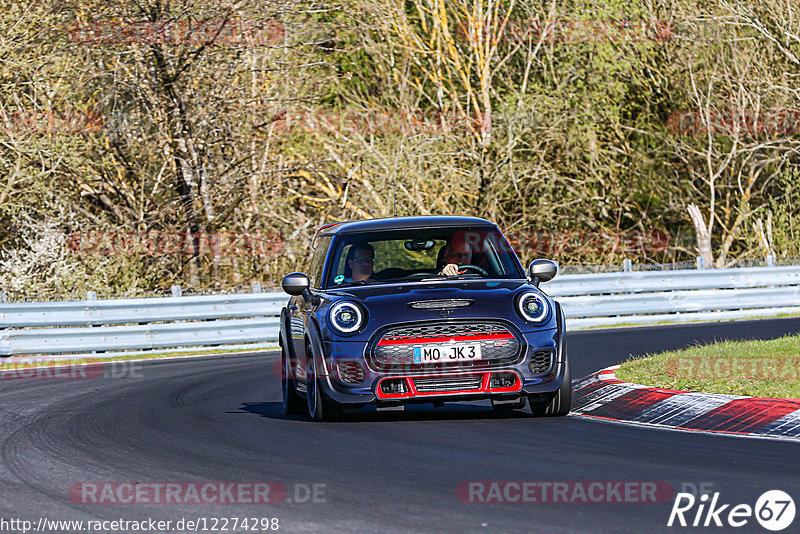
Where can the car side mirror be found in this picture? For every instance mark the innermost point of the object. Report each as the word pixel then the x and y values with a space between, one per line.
pixel 295 283
pixel 299 284
pixel 542 271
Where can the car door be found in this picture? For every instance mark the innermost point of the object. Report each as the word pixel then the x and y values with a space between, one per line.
pixel 301 310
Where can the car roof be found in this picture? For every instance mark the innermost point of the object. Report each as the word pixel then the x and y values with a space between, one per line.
pixel 399 223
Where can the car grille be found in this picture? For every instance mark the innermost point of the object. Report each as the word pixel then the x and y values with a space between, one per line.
pixel 447 383
pixel 540 361
pixel 392 348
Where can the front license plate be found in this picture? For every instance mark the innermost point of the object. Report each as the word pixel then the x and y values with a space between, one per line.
pixel 464 352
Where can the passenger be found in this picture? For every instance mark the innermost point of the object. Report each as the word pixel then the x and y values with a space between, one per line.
pixel 358 267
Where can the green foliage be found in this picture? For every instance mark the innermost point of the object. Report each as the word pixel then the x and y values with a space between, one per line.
pixel 583 138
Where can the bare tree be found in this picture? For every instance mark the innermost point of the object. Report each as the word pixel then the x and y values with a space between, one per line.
pixel 730 139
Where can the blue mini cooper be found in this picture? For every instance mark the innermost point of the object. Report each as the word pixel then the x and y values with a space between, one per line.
pixel 420 310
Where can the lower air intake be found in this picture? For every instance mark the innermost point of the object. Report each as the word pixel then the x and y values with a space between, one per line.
pixel 351 372
pixel 447 383
pixel 540 362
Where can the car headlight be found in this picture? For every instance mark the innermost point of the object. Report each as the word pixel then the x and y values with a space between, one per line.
pixel 346 317
pixel 533 307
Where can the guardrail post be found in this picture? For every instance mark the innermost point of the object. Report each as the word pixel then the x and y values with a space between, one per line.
pixel 255 287
pixel 3 296
pixel 770 260
pixel 627 265
pixel 91 295
pixel 701 262
pixel 176 291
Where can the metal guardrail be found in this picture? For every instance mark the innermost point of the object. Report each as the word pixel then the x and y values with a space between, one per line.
pixel 649 281
pixel 140 337
pixel 150 310
pixel 139 324
pixel 604 299
pixel 646 297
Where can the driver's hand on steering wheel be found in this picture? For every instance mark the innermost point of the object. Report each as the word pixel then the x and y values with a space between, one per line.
pixel 451 269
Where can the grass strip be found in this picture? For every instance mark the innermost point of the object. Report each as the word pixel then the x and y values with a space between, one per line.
pixel 761 368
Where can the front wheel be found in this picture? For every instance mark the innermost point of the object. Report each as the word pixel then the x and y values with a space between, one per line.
pixel 320 408
pixel 292 403
pixel 555 404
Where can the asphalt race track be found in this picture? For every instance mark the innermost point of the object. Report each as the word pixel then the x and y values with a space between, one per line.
pixel 220 419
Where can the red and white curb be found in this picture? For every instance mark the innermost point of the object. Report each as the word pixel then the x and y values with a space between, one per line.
pixel 602 395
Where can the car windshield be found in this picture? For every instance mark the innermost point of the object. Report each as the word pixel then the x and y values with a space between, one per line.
pixel 421 254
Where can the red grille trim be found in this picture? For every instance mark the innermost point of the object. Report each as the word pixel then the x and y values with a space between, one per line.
pixel 482 336
pixel 411 389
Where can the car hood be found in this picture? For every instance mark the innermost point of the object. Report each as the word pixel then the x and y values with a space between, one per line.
pixel 431 289
pixel 389 303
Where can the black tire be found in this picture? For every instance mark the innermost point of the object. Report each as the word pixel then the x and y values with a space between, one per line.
pixel 320 407
pixel 293 404
pixel 556 404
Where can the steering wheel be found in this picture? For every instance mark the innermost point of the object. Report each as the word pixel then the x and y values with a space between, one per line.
pixel 467 266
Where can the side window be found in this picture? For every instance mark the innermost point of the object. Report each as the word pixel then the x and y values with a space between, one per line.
pixel 318 261
pixel 341 260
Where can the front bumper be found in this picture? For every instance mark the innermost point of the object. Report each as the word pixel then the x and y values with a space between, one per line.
pixel 432 385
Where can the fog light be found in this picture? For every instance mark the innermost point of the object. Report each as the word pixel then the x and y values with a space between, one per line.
pixel 504 380
pixel 393 386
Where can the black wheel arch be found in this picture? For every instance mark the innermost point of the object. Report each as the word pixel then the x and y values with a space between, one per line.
pixel 314 339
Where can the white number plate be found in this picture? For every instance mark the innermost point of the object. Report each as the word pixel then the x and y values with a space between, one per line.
pixel 463 352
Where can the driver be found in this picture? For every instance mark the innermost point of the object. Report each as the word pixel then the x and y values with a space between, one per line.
pixel 458 252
